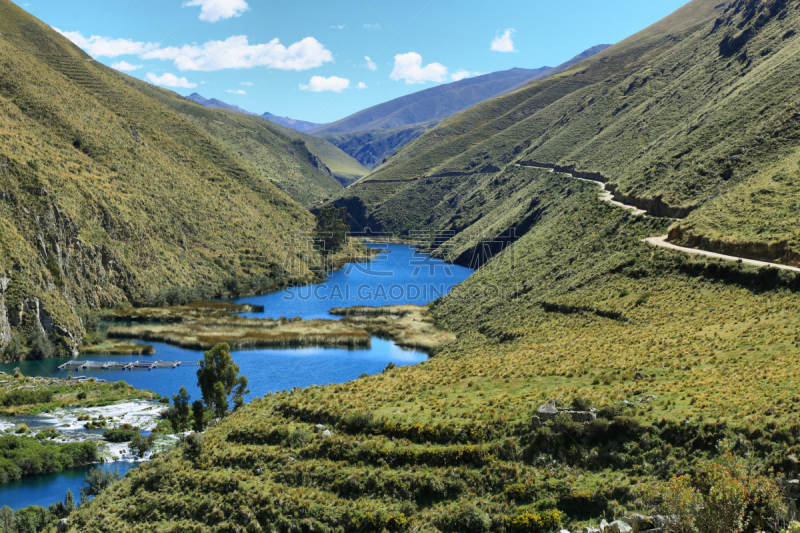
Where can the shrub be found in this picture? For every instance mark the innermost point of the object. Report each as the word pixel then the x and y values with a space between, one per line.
pixel 26 397
pixel 357 422
pixel 465 517
pixel 120 434
pixel 40 346
pixel 725 495
pixel 298 438
pixel 536 522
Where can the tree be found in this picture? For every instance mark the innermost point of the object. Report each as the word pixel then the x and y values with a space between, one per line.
pixel 219 379
pixel 6 519
pixel 199 415
pixel 62 509
pixel 332 229
pixel 181 402
pixel 96 481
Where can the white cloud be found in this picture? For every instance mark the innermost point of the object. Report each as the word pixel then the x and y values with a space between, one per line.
pixel 504 43
pixel 375 26
pixel 97 45
pixel 460 75
pixel 361 85
pixel 237 52
pixel 409 67
pixel 170 80
pixel 236 91
pixel 247 83
pixel 125 66
pixel 319 84
pixel 371 64
pixel 338 26
pixel 214 10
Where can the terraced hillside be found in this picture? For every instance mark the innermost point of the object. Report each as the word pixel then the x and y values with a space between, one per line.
pixel 693 117
pixel 675 355
pixel 109 195
pixel 343 167
pixel 295 162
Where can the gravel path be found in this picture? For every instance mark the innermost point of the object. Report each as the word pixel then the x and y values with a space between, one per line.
pixel 607 196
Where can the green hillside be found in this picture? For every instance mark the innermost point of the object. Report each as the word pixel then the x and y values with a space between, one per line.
pixel 275 153
pixel 699 110
pixel 108 194
pixel 343 167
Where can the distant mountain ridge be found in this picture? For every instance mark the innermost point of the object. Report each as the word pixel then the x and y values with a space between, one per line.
pixel 371 136
pixel 298 125
pixel 213 102
pixel 437 102
pixel 295 124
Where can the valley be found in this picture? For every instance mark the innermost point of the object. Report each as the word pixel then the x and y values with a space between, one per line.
pixel 530 301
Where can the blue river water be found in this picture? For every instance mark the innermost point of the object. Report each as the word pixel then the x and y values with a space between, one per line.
pixel 401 276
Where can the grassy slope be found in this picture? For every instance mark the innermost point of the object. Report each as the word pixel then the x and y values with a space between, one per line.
pixel 695 112
pixel 576 316
pixel 272 151
pixel 108 194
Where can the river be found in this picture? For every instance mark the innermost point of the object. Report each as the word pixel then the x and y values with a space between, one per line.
pixel 401 276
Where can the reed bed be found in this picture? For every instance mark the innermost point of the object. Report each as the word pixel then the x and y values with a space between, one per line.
pixel 248 333
pixel 180 313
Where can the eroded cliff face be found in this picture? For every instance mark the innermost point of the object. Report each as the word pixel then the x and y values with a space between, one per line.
pixel 54 272
pixel 5 327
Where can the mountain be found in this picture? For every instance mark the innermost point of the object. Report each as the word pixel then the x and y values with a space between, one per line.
pixel 108 195
pixel 299 125
pixel 334 161
pixel 374 134
pixel 436 102
pixel 593 375
pixel 372 147
pixel 200 99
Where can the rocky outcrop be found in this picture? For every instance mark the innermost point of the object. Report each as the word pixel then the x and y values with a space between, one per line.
pixel 5 326
pixel 549 411
pixel 777 252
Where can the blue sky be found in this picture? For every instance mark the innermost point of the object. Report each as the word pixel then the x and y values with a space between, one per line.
pixel 308 59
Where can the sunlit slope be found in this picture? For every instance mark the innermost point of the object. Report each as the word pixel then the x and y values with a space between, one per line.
pixel 108 194
pixel 272 151
pixel 675 354
pixel 700 106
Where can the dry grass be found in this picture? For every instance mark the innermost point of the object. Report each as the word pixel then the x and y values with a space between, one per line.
pixel 180 313
pixel 117 347
pixel 407 325
pixel 205 333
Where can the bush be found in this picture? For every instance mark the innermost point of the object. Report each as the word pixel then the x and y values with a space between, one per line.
pixel 357 422
pixel 40 346
pixel 298 438
pixel 725 495
pixel 26 397
pixel 194 444
pixel 536 522
pixel 120 434
pixel 465 517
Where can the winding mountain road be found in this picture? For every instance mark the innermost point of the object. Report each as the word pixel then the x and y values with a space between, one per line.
pixel 607 196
